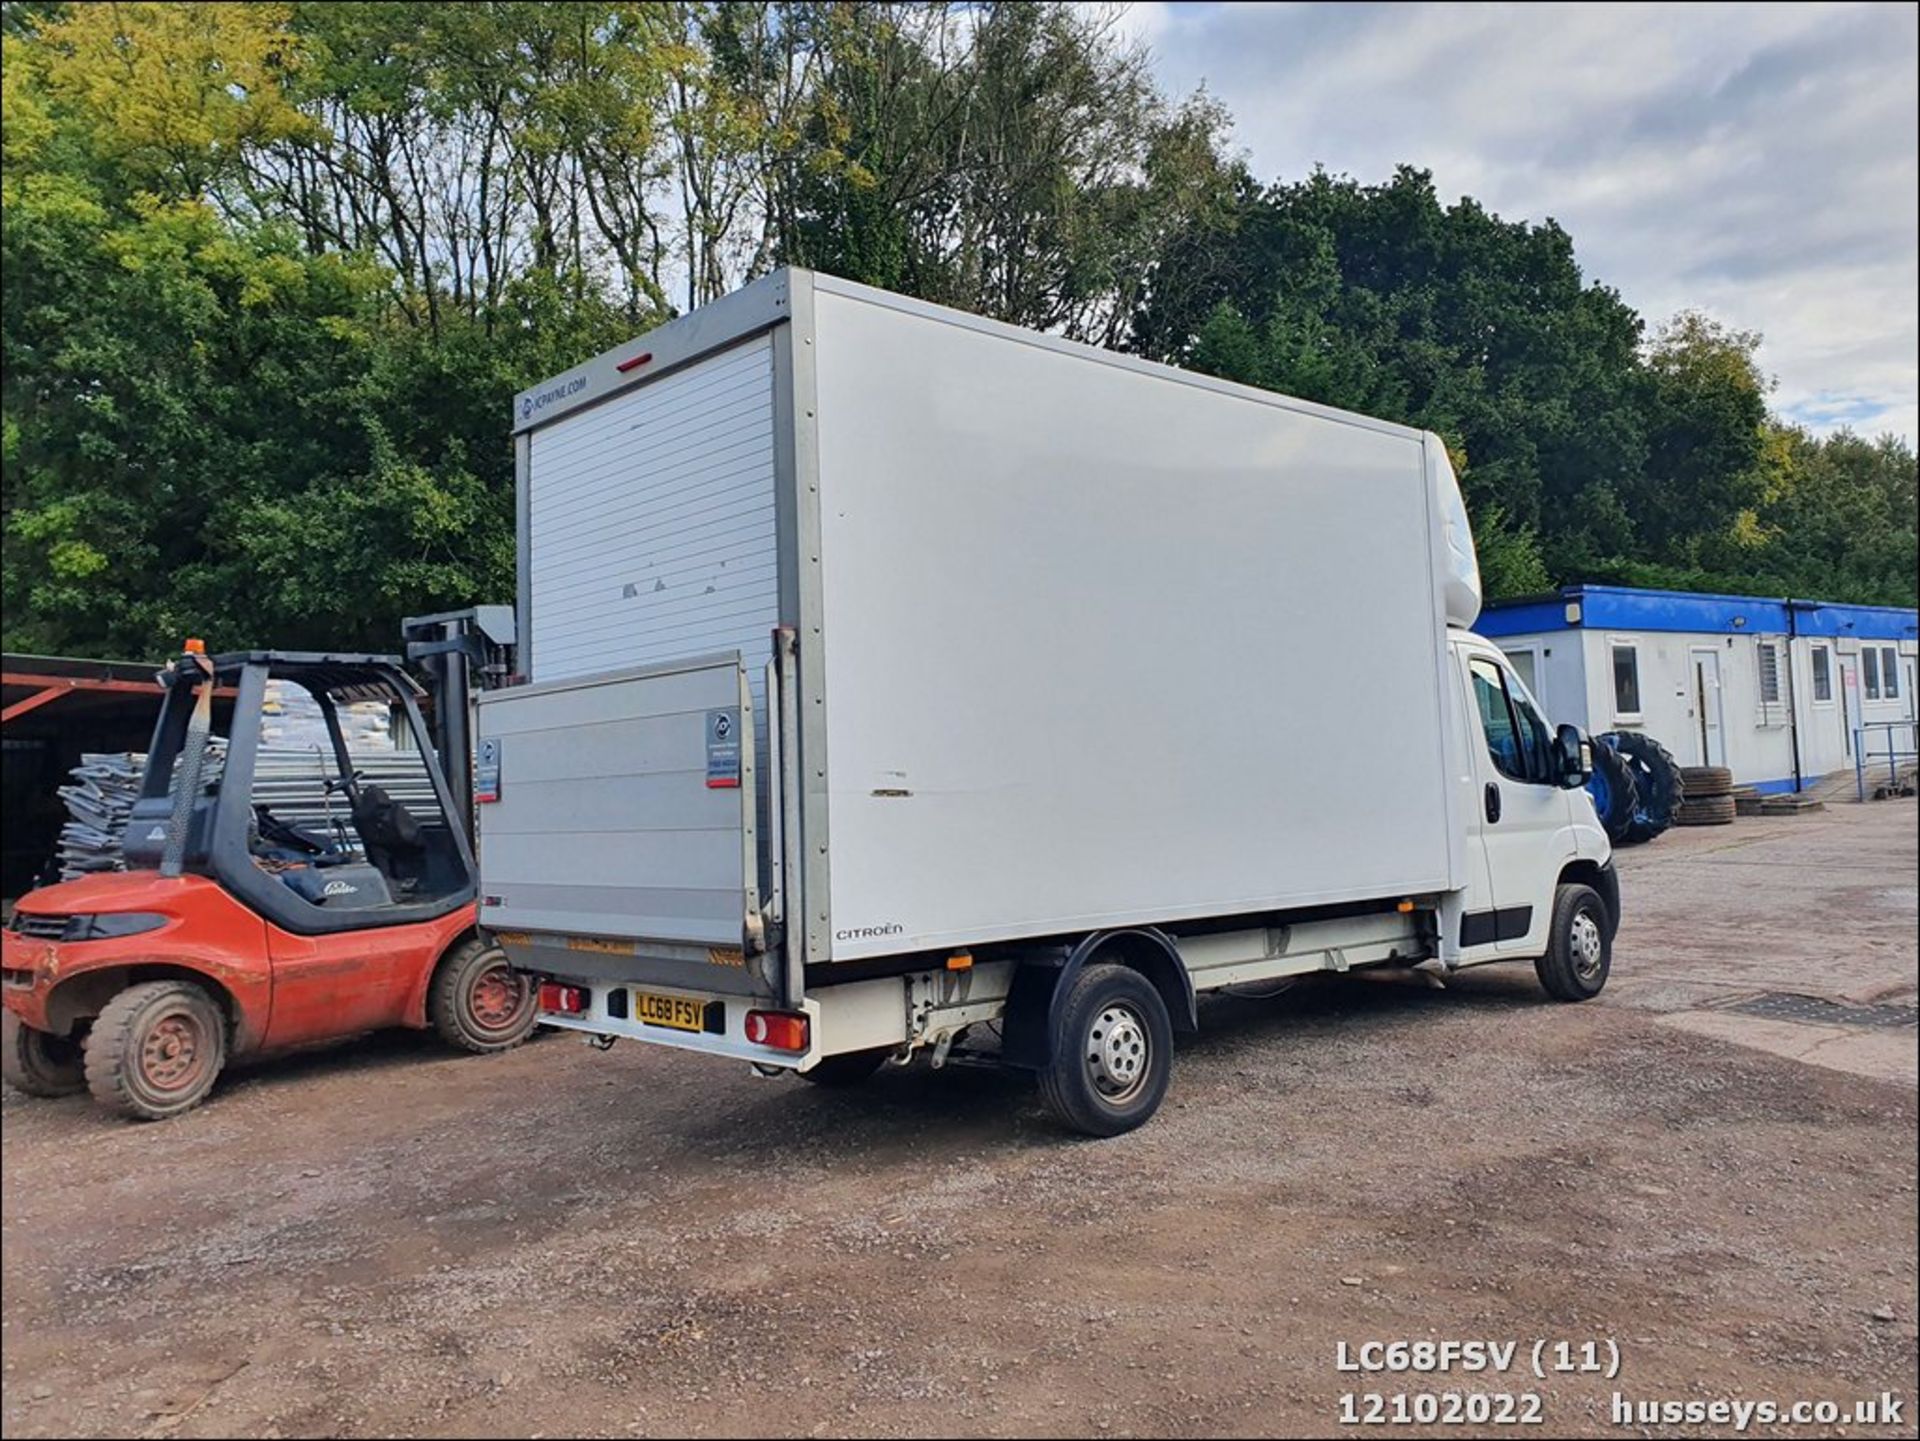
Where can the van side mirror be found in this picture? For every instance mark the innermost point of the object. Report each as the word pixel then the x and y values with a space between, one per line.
pixel 1575 754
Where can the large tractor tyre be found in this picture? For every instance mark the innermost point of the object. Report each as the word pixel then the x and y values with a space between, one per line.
pixel 1657 775
pixel 36 1063
pixel 478 1002
pixel 1615 792
pixel 850 1068
pixel 1713 811
pixel 156 1049
pixel 1112 1052
pixel 1704 781
pixel 1579 954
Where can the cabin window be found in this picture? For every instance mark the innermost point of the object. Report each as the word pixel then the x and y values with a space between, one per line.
pixel 1822 675
pixel 1626 681
pixel 1523 665
pixel 1870 672
pixel 1769 673
pixel 1889 672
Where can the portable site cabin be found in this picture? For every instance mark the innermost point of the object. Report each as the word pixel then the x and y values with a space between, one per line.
pixel 1782 692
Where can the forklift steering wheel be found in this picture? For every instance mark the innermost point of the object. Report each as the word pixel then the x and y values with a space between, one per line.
pixel 347 782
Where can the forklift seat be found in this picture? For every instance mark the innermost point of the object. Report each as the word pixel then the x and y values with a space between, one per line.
pixel 391 834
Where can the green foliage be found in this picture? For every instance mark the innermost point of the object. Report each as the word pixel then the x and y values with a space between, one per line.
pixel 213 427
pixel 273 271
pixel 1585 453
pixel 1380 299
pixel 1509 555
pixel 1010 159
pixel 168 95
pixel 1705 404
pixel 1836 516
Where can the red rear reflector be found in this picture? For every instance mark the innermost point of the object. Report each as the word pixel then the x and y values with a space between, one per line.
pixel 777 1030
pixel 567 1000
pixel 635 363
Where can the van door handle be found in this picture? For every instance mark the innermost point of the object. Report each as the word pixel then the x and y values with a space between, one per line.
pixel 1493 802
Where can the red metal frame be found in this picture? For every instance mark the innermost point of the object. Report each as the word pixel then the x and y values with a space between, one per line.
pixel 32 702
pixel 52 687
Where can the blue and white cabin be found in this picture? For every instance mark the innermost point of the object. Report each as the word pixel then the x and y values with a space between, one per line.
pixel 1782 692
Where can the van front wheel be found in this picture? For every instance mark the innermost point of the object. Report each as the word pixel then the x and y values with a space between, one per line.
pixel 1579 946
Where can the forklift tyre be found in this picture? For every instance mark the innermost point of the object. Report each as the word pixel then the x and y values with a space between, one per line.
pixel 156 1050
pixel 478 1002
pixel 37 1064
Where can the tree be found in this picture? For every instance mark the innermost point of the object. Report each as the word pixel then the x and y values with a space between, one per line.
pixel 1705 407
pixel 1836 517
pixel 211 426
pixel 466 145
pixel 1380 299
pixel 273 271
pixel 171 95
pixel 1014 160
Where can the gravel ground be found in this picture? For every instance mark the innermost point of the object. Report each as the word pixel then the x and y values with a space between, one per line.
pixel 382 1239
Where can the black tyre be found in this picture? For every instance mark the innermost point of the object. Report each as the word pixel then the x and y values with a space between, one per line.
pixel 156 1049
pixel 1111 1052
pixel 1579 945
pixel 1704 781
pixel 478 1002
pixel 37 1063
pixel 1713 811
pixel 1615 792
pixel 850 1068
pixel 1656 774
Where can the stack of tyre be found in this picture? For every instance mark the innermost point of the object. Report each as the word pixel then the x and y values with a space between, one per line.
pixel 1709 800
pixel 1637 787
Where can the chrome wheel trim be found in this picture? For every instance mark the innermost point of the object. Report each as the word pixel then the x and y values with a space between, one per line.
pixel 1588 946
pixel 1119 1053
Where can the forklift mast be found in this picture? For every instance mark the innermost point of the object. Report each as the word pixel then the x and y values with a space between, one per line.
pixel 460 650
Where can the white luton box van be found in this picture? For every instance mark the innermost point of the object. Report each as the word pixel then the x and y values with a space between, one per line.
pixel 897 677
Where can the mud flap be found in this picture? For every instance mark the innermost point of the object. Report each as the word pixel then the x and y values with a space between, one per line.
pixel 1033 1001
pixel 1026 1034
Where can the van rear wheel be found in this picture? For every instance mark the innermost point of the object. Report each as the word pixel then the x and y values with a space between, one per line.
pixel 1111 1053
pixel 1579 945
pixel 36 1063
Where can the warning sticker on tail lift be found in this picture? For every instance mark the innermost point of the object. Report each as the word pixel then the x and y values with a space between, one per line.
pixel 723 749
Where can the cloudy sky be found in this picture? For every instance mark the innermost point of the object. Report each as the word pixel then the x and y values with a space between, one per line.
pixel 1755 161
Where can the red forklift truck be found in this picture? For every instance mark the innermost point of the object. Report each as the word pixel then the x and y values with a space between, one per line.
pixel 236 931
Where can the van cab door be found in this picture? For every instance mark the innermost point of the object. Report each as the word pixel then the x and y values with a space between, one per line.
pixel 1522 812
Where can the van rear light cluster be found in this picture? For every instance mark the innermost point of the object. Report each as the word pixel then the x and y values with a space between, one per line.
pixel 566 1000
pixel 777 1030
